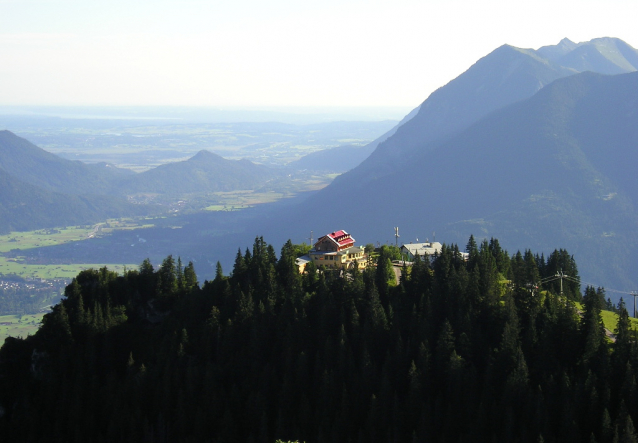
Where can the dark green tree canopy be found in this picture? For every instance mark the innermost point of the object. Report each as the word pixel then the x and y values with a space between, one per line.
pixel 457 350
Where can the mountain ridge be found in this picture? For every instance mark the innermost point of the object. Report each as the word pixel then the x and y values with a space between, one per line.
pixel 504 76
pixel 204 172
pixel 528 174
pixel 31 164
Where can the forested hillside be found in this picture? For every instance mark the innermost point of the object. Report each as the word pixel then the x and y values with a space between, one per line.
pixel 204 172
pixel 24 207
pixel 27 162
pixel 458 350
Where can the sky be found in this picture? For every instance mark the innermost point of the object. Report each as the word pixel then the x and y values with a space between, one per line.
pixel 272 53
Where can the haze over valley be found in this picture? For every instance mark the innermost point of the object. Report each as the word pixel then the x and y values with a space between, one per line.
pixel 456 165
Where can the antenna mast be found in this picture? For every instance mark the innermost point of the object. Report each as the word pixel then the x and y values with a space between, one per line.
pixel 310 238
pixel 396 236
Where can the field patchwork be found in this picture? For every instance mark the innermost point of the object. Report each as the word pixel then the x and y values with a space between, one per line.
pixel 19 326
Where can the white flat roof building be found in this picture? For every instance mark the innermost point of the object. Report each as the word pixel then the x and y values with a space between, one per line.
pixel 422 249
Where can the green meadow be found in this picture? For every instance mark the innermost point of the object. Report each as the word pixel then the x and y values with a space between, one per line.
pixel 610 319
pixel 57 236
pixel 21 241
pixel 19 326
pixel 66 271
pixel 43 237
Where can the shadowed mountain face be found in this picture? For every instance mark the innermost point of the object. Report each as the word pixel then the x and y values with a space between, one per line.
pixel 41 190
pixel 339 159
pixel 31 164
pixel 550 171
pixel 503 77
pixel 25 207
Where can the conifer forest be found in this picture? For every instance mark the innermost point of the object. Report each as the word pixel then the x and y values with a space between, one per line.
pixel 456 350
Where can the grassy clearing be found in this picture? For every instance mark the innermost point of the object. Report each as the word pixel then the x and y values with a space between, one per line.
pixel 125 224
pixel 21 241
pixel 58 236
pixel 18 267
pixel 233 201
pixel 19 326
pixel 610 319
pixel 43 237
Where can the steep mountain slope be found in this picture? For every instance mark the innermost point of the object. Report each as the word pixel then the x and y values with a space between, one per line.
pixel 338 159
pixel 503 77
pixel 25 207
pixel 204 172
pixel 551 170
pixel 31 164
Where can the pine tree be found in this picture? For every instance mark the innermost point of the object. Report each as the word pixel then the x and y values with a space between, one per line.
pixel 288 271
pixel 190 278
pixel 384 276
pixel 375 314
pixel 444 349
pixel 240 267
pixel 57 325
pixel 219 273
pixel 179 274
pixel 592 328
pixel 168 276
pixel 472 249
pixel 622 345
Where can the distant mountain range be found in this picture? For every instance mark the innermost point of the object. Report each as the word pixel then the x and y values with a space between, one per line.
pixel 521 147
pixel 40 189
pixel 506 75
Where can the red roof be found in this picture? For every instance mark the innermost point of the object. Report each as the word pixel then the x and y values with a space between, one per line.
pixel 338 234
pixel 342 238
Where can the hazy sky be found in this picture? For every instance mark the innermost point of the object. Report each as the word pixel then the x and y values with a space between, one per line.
pixel 272 53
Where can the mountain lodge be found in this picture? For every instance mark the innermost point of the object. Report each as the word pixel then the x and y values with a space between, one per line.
pixel 335 250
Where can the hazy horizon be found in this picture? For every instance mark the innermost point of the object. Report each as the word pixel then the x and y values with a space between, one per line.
pixel 281 53
pixel 212 114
